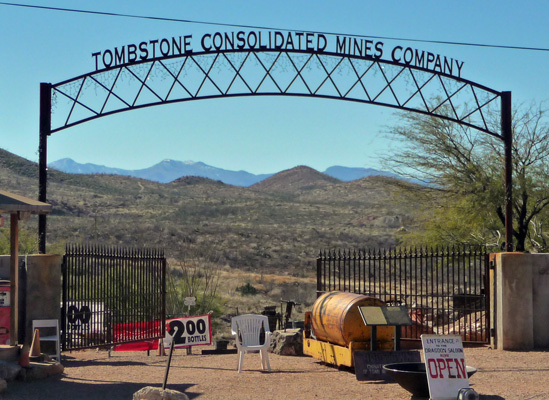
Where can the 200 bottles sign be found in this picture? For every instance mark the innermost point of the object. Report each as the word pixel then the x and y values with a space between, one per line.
pixel 188 331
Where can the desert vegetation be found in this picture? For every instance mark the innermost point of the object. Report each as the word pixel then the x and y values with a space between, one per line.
pixel 236 249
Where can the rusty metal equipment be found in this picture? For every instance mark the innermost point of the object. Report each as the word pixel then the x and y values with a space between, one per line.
pixel 334 329
pixel 275 319
pixel 290 304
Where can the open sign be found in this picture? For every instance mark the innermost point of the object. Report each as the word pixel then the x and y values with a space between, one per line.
pixel 445 365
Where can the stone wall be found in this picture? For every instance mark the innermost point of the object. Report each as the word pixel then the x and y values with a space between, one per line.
pixel 520 301
pixel 41 285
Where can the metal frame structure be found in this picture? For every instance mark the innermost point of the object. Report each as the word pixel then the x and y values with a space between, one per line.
pixel 266 72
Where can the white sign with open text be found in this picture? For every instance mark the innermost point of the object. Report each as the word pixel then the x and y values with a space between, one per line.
pixel 445 365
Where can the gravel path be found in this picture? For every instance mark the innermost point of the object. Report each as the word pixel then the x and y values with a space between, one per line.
pixel 93 375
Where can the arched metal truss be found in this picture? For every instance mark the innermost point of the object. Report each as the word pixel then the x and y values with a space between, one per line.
pixel 270 73
pixel 257 72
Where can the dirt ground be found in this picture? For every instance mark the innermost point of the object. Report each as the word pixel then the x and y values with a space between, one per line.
pixel 93 375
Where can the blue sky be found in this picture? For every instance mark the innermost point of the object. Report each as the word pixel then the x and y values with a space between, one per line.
pixel 260 135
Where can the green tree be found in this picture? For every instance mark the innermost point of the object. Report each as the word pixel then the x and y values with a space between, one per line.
pixel 463 172
pixel 28 242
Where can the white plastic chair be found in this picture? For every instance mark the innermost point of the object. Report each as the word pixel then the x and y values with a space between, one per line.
pixel 247 330
pixel 51 324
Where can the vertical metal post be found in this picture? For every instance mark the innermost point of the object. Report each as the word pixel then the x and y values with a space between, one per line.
pixel 318 275
pixel 64 279
pixel 164 267
pixel 45 131
pixel 507 133
pixel 168 365
pixel 14 278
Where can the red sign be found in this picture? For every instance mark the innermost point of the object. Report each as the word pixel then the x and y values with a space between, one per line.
pixel 5 313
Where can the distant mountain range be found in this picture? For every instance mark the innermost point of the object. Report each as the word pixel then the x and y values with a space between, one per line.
pixel 169 170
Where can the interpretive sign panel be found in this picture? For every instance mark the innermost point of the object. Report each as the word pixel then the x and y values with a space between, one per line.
pixel 445 365
pixel 188 331
pixel 385 315
pixel 375 316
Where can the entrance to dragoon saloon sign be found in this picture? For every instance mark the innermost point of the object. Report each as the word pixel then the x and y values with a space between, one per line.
pixel 271 63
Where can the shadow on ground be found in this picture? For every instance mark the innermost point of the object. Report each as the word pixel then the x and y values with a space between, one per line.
pixel 62 388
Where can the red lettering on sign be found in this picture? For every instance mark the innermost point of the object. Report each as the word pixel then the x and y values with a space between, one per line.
pixel 433 369
pixel 455 368
pixel 441 367
pixel 460 363
pixel 449 366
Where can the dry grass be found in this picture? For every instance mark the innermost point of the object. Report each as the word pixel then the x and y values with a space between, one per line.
pixel 278 232
pixel 271 290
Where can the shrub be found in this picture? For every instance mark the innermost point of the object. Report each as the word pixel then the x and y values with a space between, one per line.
pixel 247 290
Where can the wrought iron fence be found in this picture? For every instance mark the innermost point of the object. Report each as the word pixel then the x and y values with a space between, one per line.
pixel 112 296
pixel 446 290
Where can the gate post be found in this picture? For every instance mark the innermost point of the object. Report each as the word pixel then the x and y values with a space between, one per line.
pixel 45 131
pixel 507 133
pixel 319 287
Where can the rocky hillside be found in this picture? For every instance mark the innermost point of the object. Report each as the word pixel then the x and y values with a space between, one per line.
pixel 277 225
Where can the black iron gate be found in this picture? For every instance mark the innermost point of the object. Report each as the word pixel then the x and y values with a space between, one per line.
pixel 112 296
pixel 445 290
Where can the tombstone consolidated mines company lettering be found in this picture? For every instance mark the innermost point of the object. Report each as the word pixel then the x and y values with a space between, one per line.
pixel 308 42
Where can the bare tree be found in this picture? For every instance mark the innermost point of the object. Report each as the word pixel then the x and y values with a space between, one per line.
pixel 196 276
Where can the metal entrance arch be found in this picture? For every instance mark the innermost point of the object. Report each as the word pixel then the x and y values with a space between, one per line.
pixel 267 72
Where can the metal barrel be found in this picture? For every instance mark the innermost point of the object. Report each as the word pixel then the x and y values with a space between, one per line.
pixel 336 319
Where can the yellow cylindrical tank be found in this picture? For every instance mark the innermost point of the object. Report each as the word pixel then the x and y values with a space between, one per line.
pixel 336 319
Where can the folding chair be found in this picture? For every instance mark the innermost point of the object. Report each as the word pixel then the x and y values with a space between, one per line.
pixel 49 325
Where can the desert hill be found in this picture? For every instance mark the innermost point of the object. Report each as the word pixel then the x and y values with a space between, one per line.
pixel 278 225
pixel 295 180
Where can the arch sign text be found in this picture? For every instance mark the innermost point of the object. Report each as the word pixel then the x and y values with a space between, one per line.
pixel 177 46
